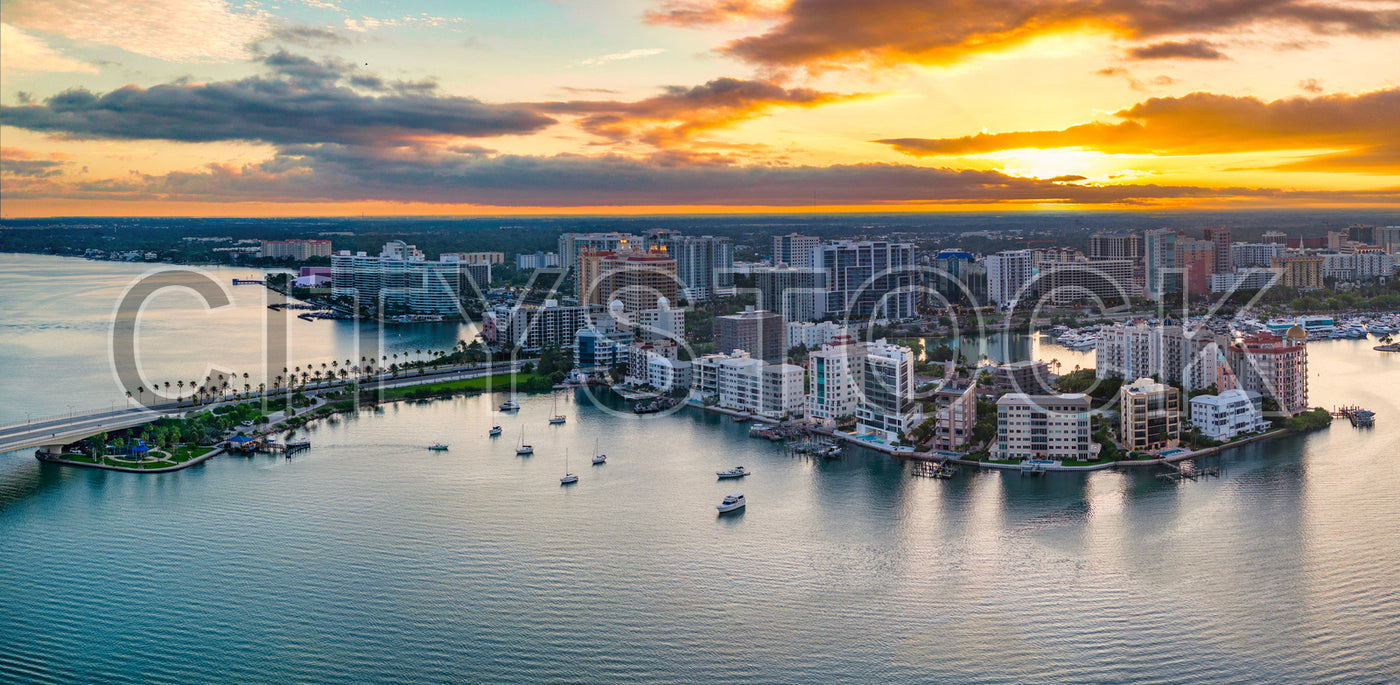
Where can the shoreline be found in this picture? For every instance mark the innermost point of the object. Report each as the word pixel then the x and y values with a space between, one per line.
pixel 58 459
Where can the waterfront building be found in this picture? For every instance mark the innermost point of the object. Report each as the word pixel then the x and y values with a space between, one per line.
pixel 572 244
pixel 1176 354
pixel 1243 255
pixel 300 250
pixel 812 335
pixel 837 373
pixel 1010 277
pixel 398 279
pixel 868 279
pixel 538 260
pixel 478 257
pixel 532 328
pixel 759 332
pixel 666 374
pixel 1028 377
pixel 1159 263
pixel 1106 280
pixel 640 354
pixel 600 347
pixel 795 250
pixel 662 323
pixel 1115 246
pixel 1052 427
pixel 798 293
pixel 1274 367
pixel 1227 415
pixel 1299 271
pixel 1149 415
pixel 637 278
pixel 887 404
pixel 956 417
pixel 739 382
pixel 704 264
pixel 1243 279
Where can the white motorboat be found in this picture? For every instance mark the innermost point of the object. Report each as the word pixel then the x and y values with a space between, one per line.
pixel 523 448
pixel 495 430
pixel 510 405
pixel 736 472
pixel 438 447
pixel 598 458
pixel 568 477
pixel 731 503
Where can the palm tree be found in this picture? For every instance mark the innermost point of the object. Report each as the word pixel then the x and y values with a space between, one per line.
pixel 167 388
pixel 128 398
pixel 140 392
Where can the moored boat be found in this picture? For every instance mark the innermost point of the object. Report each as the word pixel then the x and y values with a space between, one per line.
pixel 495 430
pixel 736 472
pixel 731 503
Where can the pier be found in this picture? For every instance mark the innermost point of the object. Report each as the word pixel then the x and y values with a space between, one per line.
pixel 1359 418
pixel 1179 471
pixel 247 281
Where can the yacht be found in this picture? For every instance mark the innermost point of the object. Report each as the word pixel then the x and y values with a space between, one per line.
pixel 731 503
pixel 598 458
pixel 557 418
pixel 523 448
pixel 510 405
pixel 438 447
pixel 495 430
pixel 736 472
pixel 568 477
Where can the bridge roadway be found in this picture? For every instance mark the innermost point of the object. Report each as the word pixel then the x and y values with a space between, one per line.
pixel 63 430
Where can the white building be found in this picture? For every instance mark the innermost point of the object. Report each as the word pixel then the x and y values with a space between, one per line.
pixel 571 243
pixel 667 374
pixel 1358 266
pixel 398 279
pixel 1187 356
pixel 812 335
pixel 1009 276
pixel 1254 254
pixel 640 356
pixel 1244 279
pixel 739 382
pixel 1224 416
pixel 868 279
pixel 538 260
pixel 533 328
pixel 1054 427
pixel 887 405
pixel 837 371
pixel 795 250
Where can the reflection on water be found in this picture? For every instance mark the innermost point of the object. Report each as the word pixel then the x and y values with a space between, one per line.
pixel 371 558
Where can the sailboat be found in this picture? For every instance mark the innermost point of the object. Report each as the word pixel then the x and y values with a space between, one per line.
pixel 598 458
pixel 568 477
pixel 557 418
pixel 524 448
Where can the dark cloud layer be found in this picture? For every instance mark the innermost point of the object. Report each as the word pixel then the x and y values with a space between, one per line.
pixel 299 101
pixel 1191 49
pixel 831 33
pixel 1205 123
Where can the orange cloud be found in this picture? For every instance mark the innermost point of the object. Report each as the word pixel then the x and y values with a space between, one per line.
pixel 822 34
pixel 1362 126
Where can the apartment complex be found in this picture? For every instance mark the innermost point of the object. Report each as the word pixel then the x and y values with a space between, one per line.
pixel 478 257
pixel 1009 277
pixel 812 335
pixel 1227 415
pixel 637 278
pixel 868 279
pixel 1115 246
pixel 837 372
pixel 739 382
pixel 300 250
pixel 572 244
pixel 398 279
pixel 759 332
pixel 1219 238
pixel 1149 415
pixel 1299 271
pixel 956 418
pixel 1244 255
pixel 798 293
pixel 887 405
pixel 1110 281
pixel 795 250
pixel 1053 427
pixel 1159 262
pixel 1274 367
pixel 1176 354
pixel 1028 377
pixel 704 264
pixel 533 328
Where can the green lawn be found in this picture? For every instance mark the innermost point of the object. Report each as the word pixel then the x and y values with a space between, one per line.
pixel 498 382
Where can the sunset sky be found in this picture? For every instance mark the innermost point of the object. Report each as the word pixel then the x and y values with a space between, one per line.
pixel 336 107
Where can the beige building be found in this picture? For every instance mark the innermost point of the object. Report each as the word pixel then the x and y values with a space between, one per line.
pixel 1299 272
pixel 300 250
pixel 477 257
pixel 1149 415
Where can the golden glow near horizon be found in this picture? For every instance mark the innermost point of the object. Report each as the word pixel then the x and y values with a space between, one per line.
pixel 690 106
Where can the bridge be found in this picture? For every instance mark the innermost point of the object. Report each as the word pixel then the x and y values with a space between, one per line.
pixel 54 433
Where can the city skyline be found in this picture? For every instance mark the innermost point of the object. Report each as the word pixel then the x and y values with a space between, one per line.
pixel 316 108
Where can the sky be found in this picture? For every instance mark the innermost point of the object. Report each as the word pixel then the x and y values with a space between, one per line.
pixel 343 108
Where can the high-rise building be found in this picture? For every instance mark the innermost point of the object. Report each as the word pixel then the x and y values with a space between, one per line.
pixel 1159 261
pixel 887 404
pixel 704 264
pixel 1299 271
pixel 869 279
pixel 1276 237
pixel 532 328
pixel 812 335
pixel 1243 279
pixel 1224 416
pixel 1115 246
pixel 1029 377
pixel 538 260
pixel 638 279
pixel 759 332
pixel 1274 367
pixel 957 416
pixel 477 257
pixel 1219 237
pixel 1362 265
pixel 796 293
pixel 1196 261
pixel 1044 427
pixel 1149 415
pixel 1388 237
pixel 795 250
pixel 836 371
pixel 1107 280
pixel 572 244
pixel 1189 356
pixel 300 250
pixel 1010 277
pixel 736 381
pixel 399 279
pixel 1245 255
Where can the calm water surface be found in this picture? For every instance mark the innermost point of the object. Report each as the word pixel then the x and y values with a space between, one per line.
pixel 370 558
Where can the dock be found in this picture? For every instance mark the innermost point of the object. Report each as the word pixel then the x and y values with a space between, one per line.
pixel 1179 471
pixel 247 281
pixel 1359 418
